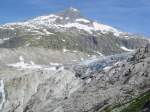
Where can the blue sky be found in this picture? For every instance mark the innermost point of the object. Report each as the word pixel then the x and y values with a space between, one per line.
pixel 127 15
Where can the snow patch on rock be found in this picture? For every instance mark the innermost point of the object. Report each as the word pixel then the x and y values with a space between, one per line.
pixel 3 40
pixel 55 64
pixel 47 32
pixel 63 40
pixel 126 49
pixel 82 20
pixel 106 29
pixel 65 50
pixel 78 26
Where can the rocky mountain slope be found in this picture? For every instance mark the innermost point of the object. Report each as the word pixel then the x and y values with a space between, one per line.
pixel 59 63
pixel 120 85
pixel 70 30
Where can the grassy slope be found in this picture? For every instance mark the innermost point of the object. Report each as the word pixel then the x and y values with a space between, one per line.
pixel 135 105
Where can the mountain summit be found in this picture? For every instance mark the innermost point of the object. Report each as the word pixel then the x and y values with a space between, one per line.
pixel 71 13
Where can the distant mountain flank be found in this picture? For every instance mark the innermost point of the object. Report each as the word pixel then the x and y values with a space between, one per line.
pixel 68 29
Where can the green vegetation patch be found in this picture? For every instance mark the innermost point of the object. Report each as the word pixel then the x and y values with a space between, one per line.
pixel 135 105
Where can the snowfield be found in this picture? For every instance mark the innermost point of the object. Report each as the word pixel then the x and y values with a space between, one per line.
pixel 82 20
pixel 126 49
pixel 50 21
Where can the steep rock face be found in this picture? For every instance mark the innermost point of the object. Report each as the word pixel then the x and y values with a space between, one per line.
pixel 52 94
pixel 117 84
pixel 21 86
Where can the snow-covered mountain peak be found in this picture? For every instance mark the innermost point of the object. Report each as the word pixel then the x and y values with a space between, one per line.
pixel 69 18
